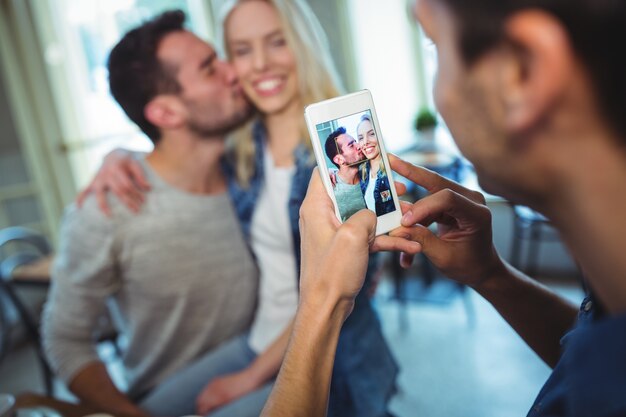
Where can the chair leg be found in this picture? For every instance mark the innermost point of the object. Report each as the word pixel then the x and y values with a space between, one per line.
pixel 470 311
pixel 5 331
pixel 48 375
pixel 428 271
pixel 533 250
pixel 399 292
pixel 117 348
pixel 516 246
pixel 33 331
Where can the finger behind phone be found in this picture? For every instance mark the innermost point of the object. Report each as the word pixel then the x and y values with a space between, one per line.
pixel 399 243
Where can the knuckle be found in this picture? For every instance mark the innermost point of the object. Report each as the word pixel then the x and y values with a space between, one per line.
pixel 448 195
pixel 486 214
pixel 420 235
pixel 478 197
pixel 414 236
pixel 350 234
pixel 303 211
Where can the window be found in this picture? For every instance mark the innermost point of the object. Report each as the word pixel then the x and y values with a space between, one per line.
pixel 398 64
pixel 387 64
pixel 76 37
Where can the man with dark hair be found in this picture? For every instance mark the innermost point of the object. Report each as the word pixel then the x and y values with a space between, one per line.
pixel 331 147
pixel 344 151
pixel 175 298
pixel 138 72
pixel 136 75
pixel 534 95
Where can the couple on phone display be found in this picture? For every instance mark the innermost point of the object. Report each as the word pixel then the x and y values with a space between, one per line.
pixel 361 179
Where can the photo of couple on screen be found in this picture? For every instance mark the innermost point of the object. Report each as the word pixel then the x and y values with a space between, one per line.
pixel 359 176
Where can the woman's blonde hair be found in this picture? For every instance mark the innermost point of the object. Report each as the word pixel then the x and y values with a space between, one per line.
pixel 366 118
pixel 318 79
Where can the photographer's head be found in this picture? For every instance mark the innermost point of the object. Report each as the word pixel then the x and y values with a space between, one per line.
pixel 522 81
pixel 167 79
pixel 342 148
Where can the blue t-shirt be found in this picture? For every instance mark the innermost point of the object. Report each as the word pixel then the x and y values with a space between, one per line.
pixel 590 378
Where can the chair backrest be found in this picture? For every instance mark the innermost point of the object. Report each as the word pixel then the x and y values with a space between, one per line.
pixel 23 235
pixel 10 263
pixel 20 246
pixel 529 215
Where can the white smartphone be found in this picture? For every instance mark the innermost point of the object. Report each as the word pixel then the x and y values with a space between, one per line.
pixel 352 159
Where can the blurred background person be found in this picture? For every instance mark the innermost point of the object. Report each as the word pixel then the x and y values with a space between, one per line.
pixel 174 296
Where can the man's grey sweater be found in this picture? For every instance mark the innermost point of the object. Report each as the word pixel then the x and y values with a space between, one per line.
pixel 178 278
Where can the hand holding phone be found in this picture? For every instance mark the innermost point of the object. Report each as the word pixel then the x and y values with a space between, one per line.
pixel 348 145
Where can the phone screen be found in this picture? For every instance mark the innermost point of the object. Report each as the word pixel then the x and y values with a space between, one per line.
pixel 353 156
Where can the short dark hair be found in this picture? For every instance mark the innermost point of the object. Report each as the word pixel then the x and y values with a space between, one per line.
pixel 596 29
pixel 331 146
pixel 136 75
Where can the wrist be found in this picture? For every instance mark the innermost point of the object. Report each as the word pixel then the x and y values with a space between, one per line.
pixel 326 302
pixel 493 277
pixel 254 375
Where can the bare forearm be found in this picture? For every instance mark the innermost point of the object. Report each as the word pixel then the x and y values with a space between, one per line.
pixel 303 384
pixel 93 385
pixel 537 314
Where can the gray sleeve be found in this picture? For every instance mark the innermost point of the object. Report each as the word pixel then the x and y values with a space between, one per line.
pixel 83 277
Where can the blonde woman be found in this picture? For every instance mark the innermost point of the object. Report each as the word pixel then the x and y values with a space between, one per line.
pixel 374 179
pixel 280 54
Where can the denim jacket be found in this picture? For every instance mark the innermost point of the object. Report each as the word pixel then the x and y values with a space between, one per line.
pixel 382 184
pixel 365 372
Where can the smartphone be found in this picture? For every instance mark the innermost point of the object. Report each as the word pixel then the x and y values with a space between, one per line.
pixel 351 157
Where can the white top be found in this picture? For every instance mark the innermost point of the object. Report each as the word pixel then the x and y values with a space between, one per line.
pixel 369 193
pixel 272 244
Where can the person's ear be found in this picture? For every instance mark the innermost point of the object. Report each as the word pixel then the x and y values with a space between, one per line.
pixel 538 69
pixel 165 112
pixel 339 160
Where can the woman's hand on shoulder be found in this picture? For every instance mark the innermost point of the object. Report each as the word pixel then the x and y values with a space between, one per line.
pixel 122 175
